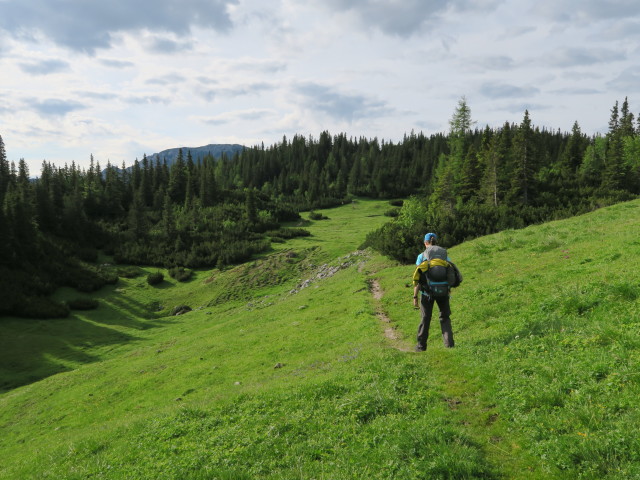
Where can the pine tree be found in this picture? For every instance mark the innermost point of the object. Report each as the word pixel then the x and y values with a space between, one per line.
pixel 177 188
pixel 4 171
pixel 626 120
pixel 613 176
pixel 524 156
pixel 459 128
pixel 169 229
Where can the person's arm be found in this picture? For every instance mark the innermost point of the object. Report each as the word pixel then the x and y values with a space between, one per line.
pixel 416 286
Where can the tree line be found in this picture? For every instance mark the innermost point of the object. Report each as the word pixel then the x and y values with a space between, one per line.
pixel 516 175
pixel 216 212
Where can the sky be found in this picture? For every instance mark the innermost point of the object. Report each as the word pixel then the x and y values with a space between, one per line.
pixel 120 78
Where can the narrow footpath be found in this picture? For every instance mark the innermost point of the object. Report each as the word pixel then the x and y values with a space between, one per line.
pixel 462 391
pixel 390 330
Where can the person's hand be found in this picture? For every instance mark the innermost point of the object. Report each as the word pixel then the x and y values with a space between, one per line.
pixel 415 302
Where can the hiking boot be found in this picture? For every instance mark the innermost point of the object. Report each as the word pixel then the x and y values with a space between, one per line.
pixel 420 348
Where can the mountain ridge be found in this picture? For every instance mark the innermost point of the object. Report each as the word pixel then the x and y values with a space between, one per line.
pixel 216 150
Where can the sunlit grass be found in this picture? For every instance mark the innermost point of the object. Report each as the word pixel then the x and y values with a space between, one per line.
pixel 282 370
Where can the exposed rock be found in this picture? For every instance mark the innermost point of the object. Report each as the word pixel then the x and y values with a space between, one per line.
pixel 180 310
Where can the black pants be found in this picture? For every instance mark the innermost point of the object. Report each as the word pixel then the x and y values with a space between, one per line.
pixel 426 310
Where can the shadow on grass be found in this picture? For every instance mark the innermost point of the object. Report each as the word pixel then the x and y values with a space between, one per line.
pixel 31 350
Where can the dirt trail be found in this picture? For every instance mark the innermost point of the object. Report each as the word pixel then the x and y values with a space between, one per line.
pixel 390 332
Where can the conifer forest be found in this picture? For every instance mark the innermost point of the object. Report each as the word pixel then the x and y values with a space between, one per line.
pixel 217 212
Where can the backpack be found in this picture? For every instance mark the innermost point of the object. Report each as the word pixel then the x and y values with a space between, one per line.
pixel 432 276
pixel 454 277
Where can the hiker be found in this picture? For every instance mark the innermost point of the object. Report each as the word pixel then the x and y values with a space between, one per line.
pixel 437 291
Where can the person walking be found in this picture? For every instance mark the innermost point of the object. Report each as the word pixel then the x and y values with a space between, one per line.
pixel 436 291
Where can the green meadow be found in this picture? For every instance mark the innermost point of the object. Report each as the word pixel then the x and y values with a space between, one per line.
pixel 284 368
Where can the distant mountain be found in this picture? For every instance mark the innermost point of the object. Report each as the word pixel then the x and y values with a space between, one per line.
pixel 198 153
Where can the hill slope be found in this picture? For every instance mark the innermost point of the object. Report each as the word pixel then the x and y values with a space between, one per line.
pixel 198 153
pixel 283 369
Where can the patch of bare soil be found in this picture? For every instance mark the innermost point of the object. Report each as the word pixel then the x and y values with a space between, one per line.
pixel 390 332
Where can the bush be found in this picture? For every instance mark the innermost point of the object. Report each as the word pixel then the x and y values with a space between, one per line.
pixel 129 272
pixel 392 212
pixel 155 278
pixel 88 254
pixel 82 304
pixel 317 216
pixel 396 203
pixel 289 233
pixel 181 274
pixel 42 307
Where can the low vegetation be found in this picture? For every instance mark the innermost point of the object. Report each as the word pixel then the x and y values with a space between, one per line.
pixel 280 367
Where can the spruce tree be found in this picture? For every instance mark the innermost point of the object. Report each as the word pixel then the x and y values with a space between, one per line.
pixel 177 187
pixel 4 171
pixel 524 156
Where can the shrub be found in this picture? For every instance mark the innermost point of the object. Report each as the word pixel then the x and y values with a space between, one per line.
pixel 317 216
pixel 396 203
pixel 88 254
pixel 129 272
pixel 181 274
pixel 109 278
pixel 82 304
pixel 155 278
pixel 289 233
pixel 42 307
pixel 392 212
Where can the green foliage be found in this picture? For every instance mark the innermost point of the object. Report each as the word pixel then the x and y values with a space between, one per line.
pixel 129 271
pixel 288 233
pixel 265 379
pixel 180 274
pixel 317 216
pixel 155 278
pixel 39 307
pixel 82 304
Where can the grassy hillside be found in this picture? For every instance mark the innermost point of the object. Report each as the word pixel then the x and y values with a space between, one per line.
pixel 283 369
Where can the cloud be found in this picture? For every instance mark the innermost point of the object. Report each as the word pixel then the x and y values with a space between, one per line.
pixel 587 10
pixel 44 67
pixel 85 26
pixel 402 18
pixel 521 107
pixel 627 82
pixel 147 100
pixel 53 107
pixel 109 62
pixel 497 62
pixel 231 117
pixel 573 57
pixel 340 106
pixel 98 95
pixel 169 79
pixel 621 30
pixel 503 90
pixel 209 94
pixel 576 91
pixel 166 45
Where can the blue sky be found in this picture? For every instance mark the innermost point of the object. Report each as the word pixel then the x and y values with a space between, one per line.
pixel 118 79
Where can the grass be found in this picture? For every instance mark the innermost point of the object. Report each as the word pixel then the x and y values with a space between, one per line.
pixel 282 369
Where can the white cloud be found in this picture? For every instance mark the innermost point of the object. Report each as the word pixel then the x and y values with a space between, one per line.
pixel 44 67
pixel 87 26
pixel 165 73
